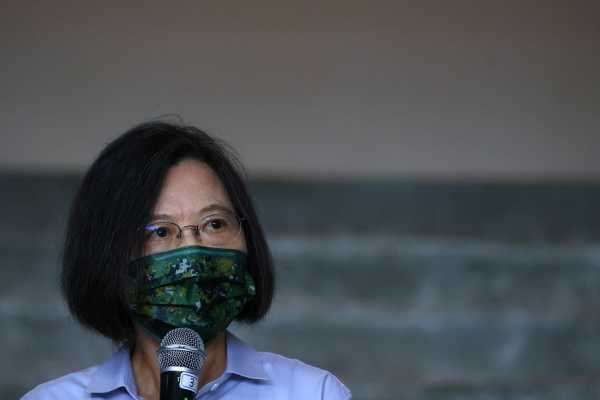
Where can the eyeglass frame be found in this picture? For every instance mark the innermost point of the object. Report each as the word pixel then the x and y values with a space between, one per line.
pixel 194 227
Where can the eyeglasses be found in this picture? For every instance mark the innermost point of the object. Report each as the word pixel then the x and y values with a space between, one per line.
pixel 218 229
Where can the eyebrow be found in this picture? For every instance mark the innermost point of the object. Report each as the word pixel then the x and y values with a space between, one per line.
pixel 204 210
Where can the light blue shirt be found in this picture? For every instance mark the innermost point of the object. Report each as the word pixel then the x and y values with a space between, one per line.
pixel 249 375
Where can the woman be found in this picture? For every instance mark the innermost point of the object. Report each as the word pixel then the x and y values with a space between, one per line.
pixel 163 234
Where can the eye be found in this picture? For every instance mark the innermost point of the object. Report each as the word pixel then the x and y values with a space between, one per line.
pixel 215 224
pixel 159 231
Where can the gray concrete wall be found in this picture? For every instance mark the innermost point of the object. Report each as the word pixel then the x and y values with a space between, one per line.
pixel 458 89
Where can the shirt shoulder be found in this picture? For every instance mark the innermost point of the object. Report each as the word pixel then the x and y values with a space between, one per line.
pixel 302 380
pixel 67 387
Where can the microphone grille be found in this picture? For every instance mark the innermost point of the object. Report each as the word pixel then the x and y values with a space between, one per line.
pixel 181 347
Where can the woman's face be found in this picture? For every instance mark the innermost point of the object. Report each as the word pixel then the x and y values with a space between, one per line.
pixel 192 192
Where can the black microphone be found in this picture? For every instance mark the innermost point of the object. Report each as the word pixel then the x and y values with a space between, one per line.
pixel 180 357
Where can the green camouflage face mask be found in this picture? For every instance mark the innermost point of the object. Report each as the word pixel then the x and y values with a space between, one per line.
pixel 201 288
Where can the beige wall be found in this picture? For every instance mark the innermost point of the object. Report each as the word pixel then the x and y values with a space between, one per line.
pixel 459 89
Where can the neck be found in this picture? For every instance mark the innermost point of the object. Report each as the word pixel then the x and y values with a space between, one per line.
pixel 146 371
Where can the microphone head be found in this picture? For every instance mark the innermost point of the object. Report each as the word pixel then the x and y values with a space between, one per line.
pixel 181 348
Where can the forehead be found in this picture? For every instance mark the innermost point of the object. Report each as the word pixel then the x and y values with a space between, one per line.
pixel 188 187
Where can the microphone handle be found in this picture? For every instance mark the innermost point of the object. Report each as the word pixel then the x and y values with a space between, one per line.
pixel 177 385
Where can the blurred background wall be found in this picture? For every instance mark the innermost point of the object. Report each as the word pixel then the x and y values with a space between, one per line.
pixel 426 172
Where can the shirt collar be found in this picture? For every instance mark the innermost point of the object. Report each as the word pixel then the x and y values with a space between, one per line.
pixel 243 360
pixel 116 372
pixel 113 374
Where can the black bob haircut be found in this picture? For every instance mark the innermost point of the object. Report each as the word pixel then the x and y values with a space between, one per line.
pixel 117 196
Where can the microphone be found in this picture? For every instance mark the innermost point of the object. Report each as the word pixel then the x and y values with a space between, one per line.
pixel 180 358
